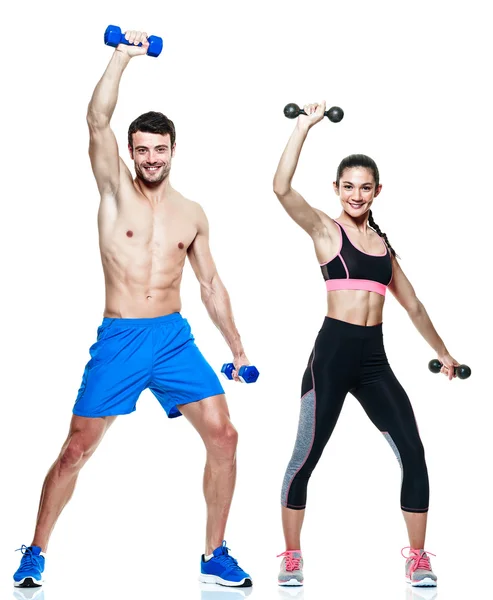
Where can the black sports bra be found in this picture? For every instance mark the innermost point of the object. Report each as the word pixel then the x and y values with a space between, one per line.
pixel 353 269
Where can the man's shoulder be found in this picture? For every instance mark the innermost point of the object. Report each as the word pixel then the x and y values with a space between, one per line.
pixel 191 205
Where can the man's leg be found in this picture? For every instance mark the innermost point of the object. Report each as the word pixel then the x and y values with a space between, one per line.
pixel 210 417
pixel 83 439
pixel 184 383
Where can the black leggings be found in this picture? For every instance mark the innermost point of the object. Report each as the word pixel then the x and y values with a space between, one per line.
pixel 351 358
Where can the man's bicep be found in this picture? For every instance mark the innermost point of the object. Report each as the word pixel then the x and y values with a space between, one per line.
pixel 201 260
pixel 199 252
pixel 105 161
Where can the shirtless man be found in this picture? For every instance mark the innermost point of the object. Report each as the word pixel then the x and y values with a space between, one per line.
pixel 146 229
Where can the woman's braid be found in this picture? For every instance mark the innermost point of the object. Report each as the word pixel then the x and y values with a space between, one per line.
pixel 374 226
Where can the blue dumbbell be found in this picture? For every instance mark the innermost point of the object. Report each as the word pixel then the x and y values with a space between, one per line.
pixel 247 373
pixel 114 36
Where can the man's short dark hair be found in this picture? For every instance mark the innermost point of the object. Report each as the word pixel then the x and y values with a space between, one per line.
pixel 152 122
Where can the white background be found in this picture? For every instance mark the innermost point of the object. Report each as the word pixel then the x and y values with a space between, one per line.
pixel 414 82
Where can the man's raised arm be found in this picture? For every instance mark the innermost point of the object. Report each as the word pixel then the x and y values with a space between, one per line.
pixel 103 149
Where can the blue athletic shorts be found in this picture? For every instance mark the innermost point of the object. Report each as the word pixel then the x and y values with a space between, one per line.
pixel 131 355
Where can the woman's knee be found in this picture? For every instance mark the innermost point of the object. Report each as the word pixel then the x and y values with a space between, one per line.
pixel 415 456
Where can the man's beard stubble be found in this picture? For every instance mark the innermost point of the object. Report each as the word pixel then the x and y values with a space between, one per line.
pixel 141 174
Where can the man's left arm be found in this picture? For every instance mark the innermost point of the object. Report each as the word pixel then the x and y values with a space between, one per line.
pixel 213 293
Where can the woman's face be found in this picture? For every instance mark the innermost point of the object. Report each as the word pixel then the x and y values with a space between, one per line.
pixel 357 190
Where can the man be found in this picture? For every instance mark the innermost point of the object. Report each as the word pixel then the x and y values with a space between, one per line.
pixel 146 229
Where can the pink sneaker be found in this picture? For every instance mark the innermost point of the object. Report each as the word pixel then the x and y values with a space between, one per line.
pixel 418 568
pixel 291 572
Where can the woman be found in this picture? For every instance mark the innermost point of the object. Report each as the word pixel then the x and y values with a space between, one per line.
pixel 358 264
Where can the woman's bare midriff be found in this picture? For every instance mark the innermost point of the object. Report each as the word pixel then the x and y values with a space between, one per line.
pixel 355 306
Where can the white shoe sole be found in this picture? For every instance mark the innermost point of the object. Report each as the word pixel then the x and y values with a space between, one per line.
pixel 426 582
pixel 291 582
pixel 215 579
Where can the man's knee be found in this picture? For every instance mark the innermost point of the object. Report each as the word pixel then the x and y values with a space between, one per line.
pixel 76 451
pixel 223 437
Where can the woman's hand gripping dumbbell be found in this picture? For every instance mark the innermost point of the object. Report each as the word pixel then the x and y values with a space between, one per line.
pixel 334 114
pixel 453 369
pixel 246 373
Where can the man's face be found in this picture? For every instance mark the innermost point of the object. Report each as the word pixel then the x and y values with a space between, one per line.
pixel 152 154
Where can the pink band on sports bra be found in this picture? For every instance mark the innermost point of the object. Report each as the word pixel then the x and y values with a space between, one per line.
pixel 356 284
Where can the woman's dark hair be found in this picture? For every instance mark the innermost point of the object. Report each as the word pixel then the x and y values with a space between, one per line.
pixel 361 160
pixel 152 122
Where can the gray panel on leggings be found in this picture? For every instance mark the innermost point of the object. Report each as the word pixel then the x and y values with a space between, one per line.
pixel 389 439
pixel 304 440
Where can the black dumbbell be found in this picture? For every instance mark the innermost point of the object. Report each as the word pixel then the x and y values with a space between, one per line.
pixel 462 371
pixel 114 36
pixel 247 373
pixel 334 114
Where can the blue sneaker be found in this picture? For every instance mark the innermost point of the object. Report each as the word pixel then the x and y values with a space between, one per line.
pixel 32 565
pixel 223 569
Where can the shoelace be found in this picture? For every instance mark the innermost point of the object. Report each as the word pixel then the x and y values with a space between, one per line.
pixel 29 561
pixel 292 562
pixel 419 561
pixel 227 560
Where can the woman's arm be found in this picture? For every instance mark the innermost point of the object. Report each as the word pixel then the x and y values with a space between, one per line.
pixel 404 293
pixel 292 201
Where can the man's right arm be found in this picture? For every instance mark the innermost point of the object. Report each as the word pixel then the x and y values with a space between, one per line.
pixel 103 148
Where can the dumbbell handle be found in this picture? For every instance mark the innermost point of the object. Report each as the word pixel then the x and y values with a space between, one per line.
pixel 123 40
pixel 302 112
pixel 457 367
